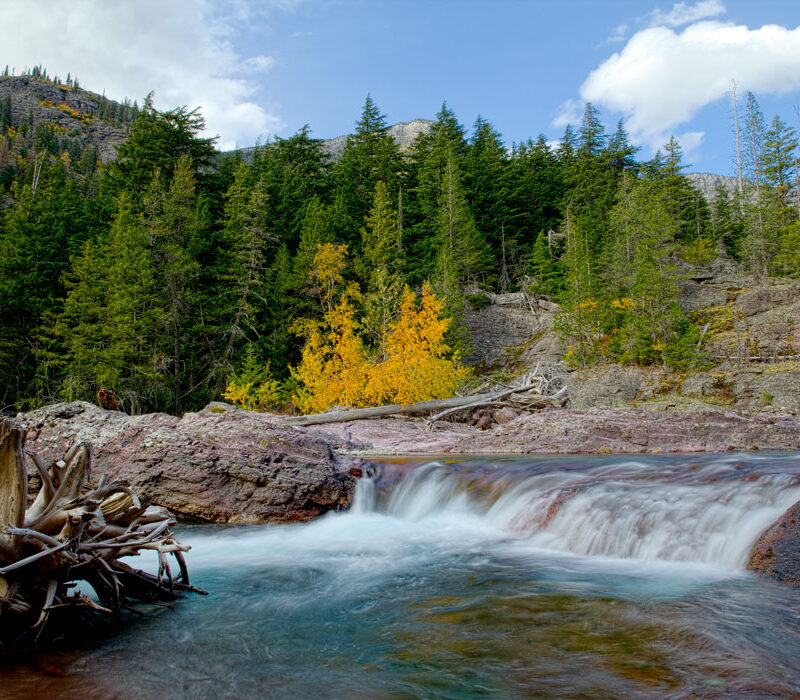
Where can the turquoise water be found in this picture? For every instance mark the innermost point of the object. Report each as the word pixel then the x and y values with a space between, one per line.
pixel 578 577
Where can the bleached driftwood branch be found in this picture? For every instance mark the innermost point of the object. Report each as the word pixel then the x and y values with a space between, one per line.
pixel 72 532
pixel 535 390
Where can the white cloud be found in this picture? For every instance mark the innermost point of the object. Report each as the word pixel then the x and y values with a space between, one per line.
pixel 259 64
pixel 569 112
pixel 181 50
pixel 620 33
pixel 683 13
pixel 661 78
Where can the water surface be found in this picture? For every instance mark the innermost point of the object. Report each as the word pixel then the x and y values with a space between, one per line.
pixel 569 577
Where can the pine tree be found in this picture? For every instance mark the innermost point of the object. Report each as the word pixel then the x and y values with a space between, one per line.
pixel 488 191
pixel 591 134
pixel 780 144
pixel 247 239
pixel 381 264
pixel 370 155
pixel 157 141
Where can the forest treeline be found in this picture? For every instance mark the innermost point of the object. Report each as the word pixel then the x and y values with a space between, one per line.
pixel 172 274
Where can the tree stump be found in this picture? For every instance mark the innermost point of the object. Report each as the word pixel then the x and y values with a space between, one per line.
pixel 72 532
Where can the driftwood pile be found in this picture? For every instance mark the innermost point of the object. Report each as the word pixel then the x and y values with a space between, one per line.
pixel 72 533
pixel 534 390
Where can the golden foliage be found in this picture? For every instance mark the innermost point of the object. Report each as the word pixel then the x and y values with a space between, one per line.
pixel 416 367
pixel 326 271
pixel 335 368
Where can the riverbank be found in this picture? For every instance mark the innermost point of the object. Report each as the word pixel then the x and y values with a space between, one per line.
pixel 575 431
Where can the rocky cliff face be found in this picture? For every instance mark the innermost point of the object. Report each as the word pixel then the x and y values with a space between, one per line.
pixel 74 113
pixel 751 347
pixel 512 332
pixel 708 183
pixel 221 464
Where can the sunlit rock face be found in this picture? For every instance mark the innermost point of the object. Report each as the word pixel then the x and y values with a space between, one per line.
pixel 222 464
pixel 777 552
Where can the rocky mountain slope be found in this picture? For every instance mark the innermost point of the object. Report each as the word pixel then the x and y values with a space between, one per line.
pixel 708 183
pixel 750 359
pixel 404 134
pixel 77 114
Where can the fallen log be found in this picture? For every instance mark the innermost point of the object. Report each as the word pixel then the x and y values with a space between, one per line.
pixel 441 407
pixel 71 533
pixel 537 402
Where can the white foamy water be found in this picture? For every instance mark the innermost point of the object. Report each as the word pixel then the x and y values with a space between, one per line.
pixel 596 577
pixel 711 514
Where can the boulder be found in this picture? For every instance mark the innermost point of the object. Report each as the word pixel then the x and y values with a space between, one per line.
pixel 222 464
pixel 505 415
pixel 776 555
pixel 604 386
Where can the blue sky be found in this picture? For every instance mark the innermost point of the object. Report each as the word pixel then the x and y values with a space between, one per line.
pixel 267 67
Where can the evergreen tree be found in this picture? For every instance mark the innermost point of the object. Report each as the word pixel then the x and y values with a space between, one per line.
pixel 370 156
pixel 381 263
pixel 6 115
pixel 488 191
pixel 157 141
pixel 460 253
pixel 430 156
pixel 247 239
pixel 780 144
pixel 591 134
pixel 292 172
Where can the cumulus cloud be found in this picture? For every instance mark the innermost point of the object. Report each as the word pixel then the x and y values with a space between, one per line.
pixel 181 50
pixel 569 112
pixel 683 13
pixel 259 64
pixel 661 78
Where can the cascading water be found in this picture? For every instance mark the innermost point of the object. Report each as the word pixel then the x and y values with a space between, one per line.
pixel 568 577
pixel 711 513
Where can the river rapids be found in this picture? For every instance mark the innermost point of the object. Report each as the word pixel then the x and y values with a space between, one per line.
pixel 460 578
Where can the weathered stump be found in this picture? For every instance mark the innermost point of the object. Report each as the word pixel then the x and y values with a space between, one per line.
pixel 70 533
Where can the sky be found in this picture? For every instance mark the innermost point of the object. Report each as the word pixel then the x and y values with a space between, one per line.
pixel 263 68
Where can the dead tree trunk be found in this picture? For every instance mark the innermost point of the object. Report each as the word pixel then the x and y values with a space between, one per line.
pixel 72 532
pixel 532 394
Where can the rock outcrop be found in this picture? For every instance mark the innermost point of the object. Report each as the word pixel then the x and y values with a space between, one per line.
pixel 777 553
pixel 513 332
pixel 221 464
pixel 568 431
pixel 73 112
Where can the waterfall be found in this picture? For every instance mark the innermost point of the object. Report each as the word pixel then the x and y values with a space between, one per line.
pixel 710 513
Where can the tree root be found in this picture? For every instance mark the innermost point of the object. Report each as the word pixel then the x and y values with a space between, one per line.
pixel 70 533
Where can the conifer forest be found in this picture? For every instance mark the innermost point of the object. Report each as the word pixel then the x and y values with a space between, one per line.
pixel 177 275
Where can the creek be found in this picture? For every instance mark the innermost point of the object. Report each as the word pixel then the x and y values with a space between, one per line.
pixel 475 577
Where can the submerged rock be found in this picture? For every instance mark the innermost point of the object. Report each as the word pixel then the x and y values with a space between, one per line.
pixel 776 555
pixel 221 464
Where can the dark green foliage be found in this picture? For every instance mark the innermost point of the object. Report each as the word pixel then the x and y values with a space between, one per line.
pixel 158 275
pixel 156 141
pixel 370 156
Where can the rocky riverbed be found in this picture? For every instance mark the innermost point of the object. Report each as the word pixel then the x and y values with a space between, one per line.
pixel 224 464
pixel 574 431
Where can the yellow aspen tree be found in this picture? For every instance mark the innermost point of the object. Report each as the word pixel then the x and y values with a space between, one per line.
pixel 417 366
pixel 333 367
